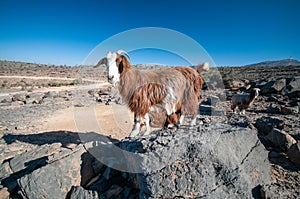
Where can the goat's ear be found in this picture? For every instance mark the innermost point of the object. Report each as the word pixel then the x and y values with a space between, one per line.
pixel 124 64
pixel 102 61
pixel 203 67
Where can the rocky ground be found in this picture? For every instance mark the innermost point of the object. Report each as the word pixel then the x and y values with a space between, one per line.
pixel 69 140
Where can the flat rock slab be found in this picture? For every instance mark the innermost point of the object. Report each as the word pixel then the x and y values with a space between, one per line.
pixel 55 179
pixel 220 161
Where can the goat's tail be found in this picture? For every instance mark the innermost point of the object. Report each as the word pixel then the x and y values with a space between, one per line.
pixel 203 67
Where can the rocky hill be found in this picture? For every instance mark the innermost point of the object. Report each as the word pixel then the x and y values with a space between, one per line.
pixel 283 62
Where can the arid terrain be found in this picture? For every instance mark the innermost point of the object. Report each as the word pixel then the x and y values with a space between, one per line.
pixel 49 115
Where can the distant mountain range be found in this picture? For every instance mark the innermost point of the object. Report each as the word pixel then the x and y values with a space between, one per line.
pixel 283 62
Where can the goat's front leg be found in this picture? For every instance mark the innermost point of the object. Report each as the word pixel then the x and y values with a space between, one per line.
pixel 147 122
pixel 136 127
pixel 234 108
pixel 193 121
pixel 180 121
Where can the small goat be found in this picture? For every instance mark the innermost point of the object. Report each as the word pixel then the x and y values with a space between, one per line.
pixel 172 89
pixel 244 101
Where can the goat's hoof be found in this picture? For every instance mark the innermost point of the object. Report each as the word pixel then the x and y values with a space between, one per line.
pixel 146 133
pixel 99 100
pixel 193 123
pixel 175 127
pixel 193 127
pixel 134 133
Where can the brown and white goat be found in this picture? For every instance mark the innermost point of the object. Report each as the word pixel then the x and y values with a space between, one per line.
pixel 244 101
pixel 172 89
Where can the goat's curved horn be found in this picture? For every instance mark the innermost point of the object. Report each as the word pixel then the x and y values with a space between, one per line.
pixel 102 61
pixel 123 51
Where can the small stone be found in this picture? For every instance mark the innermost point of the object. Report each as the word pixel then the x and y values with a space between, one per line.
pixel 114 191
pixel 289 110
pixel 212 100
pixel 18 97
pixel 91 92
pixel 20 127
pixel 206 120
pixel 99 99
pixel 48 94
pixel 79 105
pixel 2 128
pixel 274 109
pixel 77 192
pixel 4 193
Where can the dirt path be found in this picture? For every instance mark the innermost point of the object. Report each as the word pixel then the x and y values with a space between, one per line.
pixel 113 120
pixel 45 78
pixel 57 89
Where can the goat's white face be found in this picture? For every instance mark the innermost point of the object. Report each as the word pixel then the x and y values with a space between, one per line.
pixel 113 70
pixel 256 90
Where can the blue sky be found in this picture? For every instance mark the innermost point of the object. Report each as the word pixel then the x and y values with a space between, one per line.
pixel 233 32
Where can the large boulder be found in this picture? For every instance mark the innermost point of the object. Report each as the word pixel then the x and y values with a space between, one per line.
pixel 265 125
pixel 55 179
pixel 218 161
pixel 290 110
pixel 273 86
pixel 234 84
pixel 279 140
pixel 292 89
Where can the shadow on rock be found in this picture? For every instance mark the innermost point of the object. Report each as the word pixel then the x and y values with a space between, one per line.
pixel 101 181
pixel 282 160
pixel 66 138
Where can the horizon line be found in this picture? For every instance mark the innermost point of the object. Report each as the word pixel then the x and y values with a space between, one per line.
pixel 147 64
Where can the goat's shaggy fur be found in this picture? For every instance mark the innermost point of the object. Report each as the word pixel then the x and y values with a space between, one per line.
pixel 151 88
pixel 195 79
pixel 244 101
pixel 146 96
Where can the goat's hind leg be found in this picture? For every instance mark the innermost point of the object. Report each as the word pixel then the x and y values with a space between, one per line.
pixel 136 127
pixel 180 121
